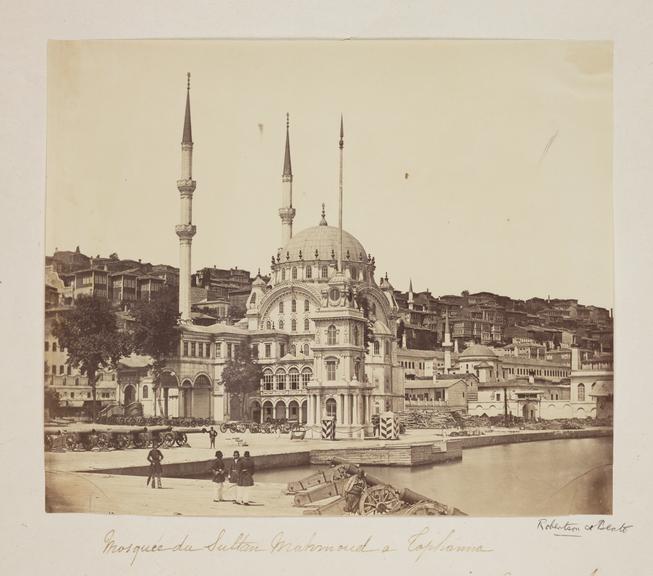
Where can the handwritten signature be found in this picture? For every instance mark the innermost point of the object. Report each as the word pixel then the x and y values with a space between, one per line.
pixel 577 529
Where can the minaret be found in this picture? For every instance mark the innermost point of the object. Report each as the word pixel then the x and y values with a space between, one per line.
pixel 286 212
pixel 411 299
pixel 341 145
pixel 185 229
pixel 447 344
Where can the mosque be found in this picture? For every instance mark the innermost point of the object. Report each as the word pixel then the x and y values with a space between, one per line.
pixel 308 325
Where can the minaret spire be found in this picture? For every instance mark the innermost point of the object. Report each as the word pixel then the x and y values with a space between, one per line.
pixel 341 146
pixel 287 166
pixel 187 138
pixel 185 229
pixel 286 212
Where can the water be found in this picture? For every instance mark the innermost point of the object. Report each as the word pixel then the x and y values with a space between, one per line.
pixel 548 478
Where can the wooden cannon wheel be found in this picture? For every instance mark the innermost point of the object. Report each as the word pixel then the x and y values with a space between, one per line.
pixel 103 441
pixel 71 441
pixel 141 440
pixel 181 439
pixel 121 441
pixel 168 440
pixel 427 508
pixel 380 499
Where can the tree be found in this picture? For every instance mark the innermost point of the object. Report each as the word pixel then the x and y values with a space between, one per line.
pixel 236 312
pixel 241 375
pixel 155 331
pixel 89 334
pixel 51 401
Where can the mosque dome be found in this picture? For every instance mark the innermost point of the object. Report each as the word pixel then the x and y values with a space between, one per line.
pixel 326 240
pixel 478 351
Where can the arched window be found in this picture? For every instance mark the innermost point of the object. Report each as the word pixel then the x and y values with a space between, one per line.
pixel 331 408
pixel 54 346
pixel 376 347
pixel 69 370
pixel 307 375
pixel 325 271
pixel 294 273
pixel 281 380
pixel 281 324
pixel 293 350
pixel 76 381
pixel 356 335
pixel 293 378
pixel 581 392
pixel 306 350
pixel 283 274
pixel 146 392
pixel 268 325
pixel 357 369
pixel 293 305
pixel 354 273
pixel 331 335
pixel 253 299
pixel 281 307
pixel 309 272
pixel 268 380
pixel 307 305
pixel 387 347
pixel 293 325
pixel 307 325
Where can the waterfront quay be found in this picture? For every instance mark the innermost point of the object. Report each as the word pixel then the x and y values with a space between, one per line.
pixel 113 482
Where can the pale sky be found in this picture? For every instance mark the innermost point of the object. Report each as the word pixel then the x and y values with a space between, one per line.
pixel 507 146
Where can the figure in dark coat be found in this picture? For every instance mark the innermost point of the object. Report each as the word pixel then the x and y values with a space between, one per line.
pixel 218 470
pixel 233 475
pixel 154 457
pixel 212 436
pixel 245 477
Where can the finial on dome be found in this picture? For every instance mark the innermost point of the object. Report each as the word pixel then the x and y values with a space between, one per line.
pixel 323 221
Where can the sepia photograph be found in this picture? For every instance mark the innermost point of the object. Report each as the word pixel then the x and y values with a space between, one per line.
pixel 329 278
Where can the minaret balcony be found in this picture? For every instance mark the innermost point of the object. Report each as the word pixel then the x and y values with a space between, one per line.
pixel 187 186
pixel 185 231
pixel 287 214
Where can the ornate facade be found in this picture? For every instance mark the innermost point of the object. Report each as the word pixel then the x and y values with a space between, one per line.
pixel 307 326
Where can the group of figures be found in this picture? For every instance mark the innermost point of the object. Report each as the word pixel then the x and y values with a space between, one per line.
pixel 239 475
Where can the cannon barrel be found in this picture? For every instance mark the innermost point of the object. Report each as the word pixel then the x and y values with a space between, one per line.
pixel 157 429
pixel 51 430
pixel 191 430
pixel 125 429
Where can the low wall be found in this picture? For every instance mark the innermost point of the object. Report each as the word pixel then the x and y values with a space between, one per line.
pixel 495 440
pixel 200 467
pixel 390 454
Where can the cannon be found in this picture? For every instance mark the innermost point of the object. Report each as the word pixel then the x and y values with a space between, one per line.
pixel 84 440
pixel 53 439
pixel 180 436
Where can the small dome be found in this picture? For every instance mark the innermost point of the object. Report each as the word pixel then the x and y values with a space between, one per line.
pixel 478 351
pixel 324 239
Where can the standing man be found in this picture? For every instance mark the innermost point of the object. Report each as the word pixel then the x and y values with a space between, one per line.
pixel 212 436
pixel 218 470
pixel 233 476
pixel 376 425
pixel 154 457
pixel 245 477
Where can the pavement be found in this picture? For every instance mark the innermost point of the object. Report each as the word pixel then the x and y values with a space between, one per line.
pixel 72 486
